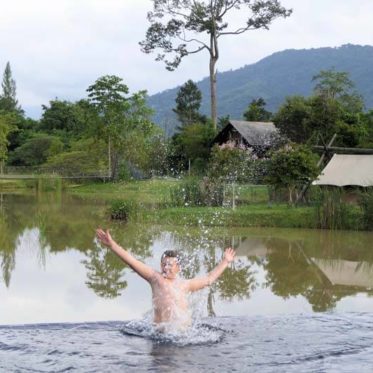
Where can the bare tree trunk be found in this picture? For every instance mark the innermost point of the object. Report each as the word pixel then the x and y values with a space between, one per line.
pixel 233 196
pixel 210 303
pixel 214 56
pixel 109 158
pixel 214 112
pixel 1 167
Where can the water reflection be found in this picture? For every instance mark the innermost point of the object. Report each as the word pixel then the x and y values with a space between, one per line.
pixel 319 267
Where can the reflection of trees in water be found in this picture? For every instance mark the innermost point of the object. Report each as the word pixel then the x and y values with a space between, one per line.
pixel 62 223
pixel 353 246
pixel 67 223
pixel 10 230
pixel 137 238
pixel 290 272
pixel 104 272
pixel 237 282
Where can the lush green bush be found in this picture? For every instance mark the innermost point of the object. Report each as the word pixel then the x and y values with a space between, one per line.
pixel 197 192
pixel 231 163
pixel 123 210
pixel 191 146
pixel 36 150
pixel 291 167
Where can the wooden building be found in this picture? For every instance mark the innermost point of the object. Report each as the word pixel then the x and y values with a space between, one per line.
pixel 256 135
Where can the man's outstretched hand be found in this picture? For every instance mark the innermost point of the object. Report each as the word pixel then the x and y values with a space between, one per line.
pixel 104 237
pixel 229 254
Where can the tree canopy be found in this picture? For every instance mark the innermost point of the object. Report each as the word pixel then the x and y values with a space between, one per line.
pixel 8 99
pixel 179 28
pixel 256 111
pixel 188 103
pixel 119 117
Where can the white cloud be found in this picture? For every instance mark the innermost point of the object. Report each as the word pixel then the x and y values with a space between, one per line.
pixel 58 48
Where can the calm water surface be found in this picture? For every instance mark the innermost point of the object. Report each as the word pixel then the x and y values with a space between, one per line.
pixel 294 300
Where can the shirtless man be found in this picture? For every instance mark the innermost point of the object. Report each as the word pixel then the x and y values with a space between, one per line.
pixel 169 292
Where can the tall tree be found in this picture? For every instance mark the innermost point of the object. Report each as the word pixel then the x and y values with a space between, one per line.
pixel 188 102
pixel 337 85
pixel 7 125
pixel 256 111
pixel 292 119
pixel 332 84
pixel 8 100
pixel 122 121
pixel 184 27
pixel 108 96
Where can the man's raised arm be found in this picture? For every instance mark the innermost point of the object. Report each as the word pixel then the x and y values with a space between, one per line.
pixel 201 282
pixel 140 268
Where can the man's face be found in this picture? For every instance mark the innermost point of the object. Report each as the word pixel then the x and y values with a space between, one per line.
pixel 170 267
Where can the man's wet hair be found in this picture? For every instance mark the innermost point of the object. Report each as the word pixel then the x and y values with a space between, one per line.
pixel 171 254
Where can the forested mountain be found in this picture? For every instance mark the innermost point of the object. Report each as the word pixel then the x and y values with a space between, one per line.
pixel 282 74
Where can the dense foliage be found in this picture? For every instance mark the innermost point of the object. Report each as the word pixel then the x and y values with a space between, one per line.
pixel 283 74
pixel 292 167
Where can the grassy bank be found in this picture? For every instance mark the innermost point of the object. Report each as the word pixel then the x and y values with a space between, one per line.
pixel 281 216
pixel 13 186
pixel 148 201
pixel 152 192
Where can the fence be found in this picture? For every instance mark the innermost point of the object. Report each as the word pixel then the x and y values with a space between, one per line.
pixel 20 172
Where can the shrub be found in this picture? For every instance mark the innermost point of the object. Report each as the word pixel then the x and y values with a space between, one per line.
pixel 331 212
pixel 231 163
pixel 197 192
pixel 291 167
pixel 123 210
pixel 36 150
pixel 75 163
pixel 366 204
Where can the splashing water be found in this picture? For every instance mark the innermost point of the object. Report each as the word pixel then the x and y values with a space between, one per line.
pixel 198 333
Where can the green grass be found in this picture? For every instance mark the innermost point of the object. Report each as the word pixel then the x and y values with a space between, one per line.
pixel 157 191
pixel 154 191
pixel 244 216
pixel 252 194
pixel 13 185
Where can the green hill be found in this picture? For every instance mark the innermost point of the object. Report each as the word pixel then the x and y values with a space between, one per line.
pixel 279 75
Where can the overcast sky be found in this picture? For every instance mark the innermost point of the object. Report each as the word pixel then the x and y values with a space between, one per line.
pixel 57 48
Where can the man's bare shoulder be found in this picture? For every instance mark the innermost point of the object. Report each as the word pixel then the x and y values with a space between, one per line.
pixel 156 278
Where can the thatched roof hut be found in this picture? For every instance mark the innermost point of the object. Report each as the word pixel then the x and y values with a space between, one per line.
pixel 256 135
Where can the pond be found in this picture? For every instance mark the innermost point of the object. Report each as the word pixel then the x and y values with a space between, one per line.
pixel 294 299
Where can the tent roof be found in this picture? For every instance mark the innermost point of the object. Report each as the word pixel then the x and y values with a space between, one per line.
pixel 347 273
pixel 255 133
pixel 348 169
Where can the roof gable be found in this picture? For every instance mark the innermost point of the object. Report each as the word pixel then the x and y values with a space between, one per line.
pixel 255 133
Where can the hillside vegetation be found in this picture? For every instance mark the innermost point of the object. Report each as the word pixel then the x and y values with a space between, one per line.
pixel 274 78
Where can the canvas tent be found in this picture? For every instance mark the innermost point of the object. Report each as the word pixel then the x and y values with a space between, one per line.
pixel 346 273
pixel 348 170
